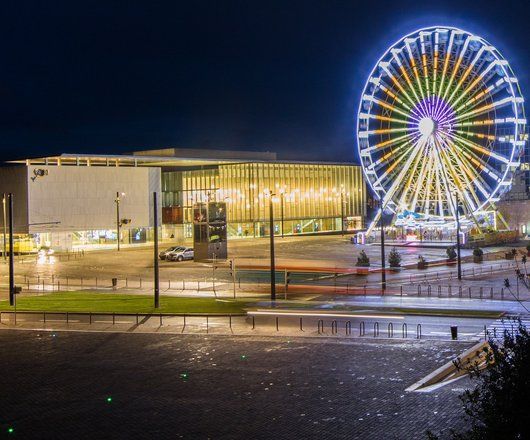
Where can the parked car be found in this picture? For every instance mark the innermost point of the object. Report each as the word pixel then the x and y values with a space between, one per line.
pixel 180 254
pixel 163 254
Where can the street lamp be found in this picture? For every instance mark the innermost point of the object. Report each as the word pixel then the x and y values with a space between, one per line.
pixel 118 222
pixel 342 210
pixel 282 194
pixel 5 225
pixel 273 265
pixel 458 260
pixel 383 273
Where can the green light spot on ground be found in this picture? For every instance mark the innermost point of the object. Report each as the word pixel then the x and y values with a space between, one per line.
pixel 10 430
pixel 109 399
pixel 184 375
pixel 243 356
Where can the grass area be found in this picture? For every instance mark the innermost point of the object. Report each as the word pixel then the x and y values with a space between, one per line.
pixel 326 307
pixel 86 301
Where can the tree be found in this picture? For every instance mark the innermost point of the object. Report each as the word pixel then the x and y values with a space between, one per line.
pixel 394 258
pixel 451 253
pixel 363 260
pixel 498 407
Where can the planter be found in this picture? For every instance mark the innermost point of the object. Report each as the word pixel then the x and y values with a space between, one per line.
pixel 423 265
pixel 478 259
pixel 363 270
pixel 509 256
pixel 450 262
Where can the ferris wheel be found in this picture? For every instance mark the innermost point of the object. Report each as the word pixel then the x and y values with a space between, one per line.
pixel 441 116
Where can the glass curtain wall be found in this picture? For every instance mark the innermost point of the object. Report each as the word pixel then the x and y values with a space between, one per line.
pixel 309 198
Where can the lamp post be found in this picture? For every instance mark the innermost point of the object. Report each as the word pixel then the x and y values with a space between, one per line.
pixel 458 261
pixel 118 223
pixel 383 273
pixel 5 225
pixel 342 210
pixel 281 208
pixel 11 253
pixel 155 253
pixel 273 265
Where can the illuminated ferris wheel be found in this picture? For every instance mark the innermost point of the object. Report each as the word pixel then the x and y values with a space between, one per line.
pixel 441 116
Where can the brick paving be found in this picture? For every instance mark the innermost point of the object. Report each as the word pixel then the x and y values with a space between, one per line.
pixel 55 385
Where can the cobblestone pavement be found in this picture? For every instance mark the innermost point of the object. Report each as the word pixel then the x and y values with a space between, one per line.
pixel 56 385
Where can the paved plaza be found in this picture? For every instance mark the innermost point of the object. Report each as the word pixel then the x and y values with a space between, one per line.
pixel 86 386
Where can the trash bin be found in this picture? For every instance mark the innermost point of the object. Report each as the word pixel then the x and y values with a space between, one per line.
pixel 454 332
pixel 114 282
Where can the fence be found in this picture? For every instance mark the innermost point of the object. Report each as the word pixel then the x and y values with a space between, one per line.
pixel 91 318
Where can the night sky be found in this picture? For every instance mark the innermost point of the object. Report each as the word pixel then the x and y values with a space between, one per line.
pixel 110 77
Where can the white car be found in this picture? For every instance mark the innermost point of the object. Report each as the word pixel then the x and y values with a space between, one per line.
pixel 180 254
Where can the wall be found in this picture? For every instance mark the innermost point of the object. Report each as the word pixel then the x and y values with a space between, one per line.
pixel 78 198
pixel 14 180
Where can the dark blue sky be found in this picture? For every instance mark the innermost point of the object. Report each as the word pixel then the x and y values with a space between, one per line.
pixel 86 76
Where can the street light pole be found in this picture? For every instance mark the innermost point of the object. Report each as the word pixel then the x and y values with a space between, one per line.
pixel 273 265
pixel 458 260
pixel 342 212
pixel 155 253
pixel 5 225
pixel 11 253
pixel 281 209
pixel 118 225
pixel 383 273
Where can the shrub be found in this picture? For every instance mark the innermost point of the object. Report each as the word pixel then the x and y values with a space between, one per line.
pixel 477 252
pixel 451 253
pixel 363 260
pixel 394 258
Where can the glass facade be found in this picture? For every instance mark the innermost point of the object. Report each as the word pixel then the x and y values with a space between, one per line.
pixel 309 198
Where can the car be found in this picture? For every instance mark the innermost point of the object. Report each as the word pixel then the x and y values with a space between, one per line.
pixel 180 254
pixel 163 254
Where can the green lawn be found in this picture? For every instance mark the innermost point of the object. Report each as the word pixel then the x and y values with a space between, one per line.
pixel 84 301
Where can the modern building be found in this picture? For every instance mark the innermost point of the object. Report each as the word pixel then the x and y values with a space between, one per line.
pixel 72 200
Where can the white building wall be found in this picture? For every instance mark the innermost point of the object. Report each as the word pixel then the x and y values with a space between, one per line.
pixel 80 198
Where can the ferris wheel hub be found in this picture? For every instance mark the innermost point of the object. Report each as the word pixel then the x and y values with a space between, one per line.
pixel 427 126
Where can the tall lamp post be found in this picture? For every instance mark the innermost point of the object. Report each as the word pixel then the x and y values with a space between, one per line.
pixel 11 253
pixel 383 273
pixel 5 225
pixel 155 253
pixel 281 207
pixel 118 223
pixel 273 265
pixel 342 210
pixel 458 260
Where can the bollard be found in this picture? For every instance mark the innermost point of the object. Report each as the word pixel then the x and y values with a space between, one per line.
pixel 502 292
pixel 44 317
pixel 460 291
pixel 113 318
pixel 81 281
pixel 362 330
pixel 320 326
pixel 429 290
pixel 136 318
pixel 67 317
pixel 90 317
pixel 418 331
pixel 401 290
pixel 334 327
pixel 253 323
pixel 419 289
pixel 469 289
pixel 449 290
pixel 454 332
pixel 126 282
pixel 301 325
pixel 481 291
pixel 207 324
pixel 404 331
pixel 230 321
pixel 347 327
pixel 491 292
pixel 376 329
pixel 485 333
pixel 198 286
pixel 140 282
pixel 184 323
pixel 365 290
pixel 161 320
pixel 390 330
pixel 96 282
pixel 66 281
pixel 277 324
pixel 58 285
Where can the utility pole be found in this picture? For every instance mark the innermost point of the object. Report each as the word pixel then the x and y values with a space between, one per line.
pixel 458 260
pixel 5 225
pixel 155 254
pixel 11 253
pixel 118 223
pixel 273 265
pixel 383 273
